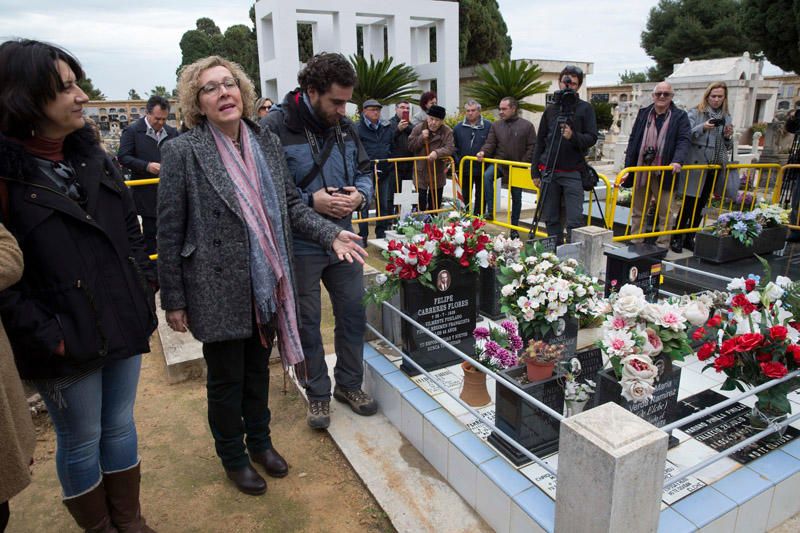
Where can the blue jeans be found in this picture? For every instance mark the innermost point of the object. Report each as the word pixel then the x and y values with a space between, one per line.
pixel 345 284
pixel 95 430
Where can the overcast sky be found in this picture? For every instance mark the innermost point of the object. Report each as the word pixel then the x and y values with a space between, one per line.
pixel 126 44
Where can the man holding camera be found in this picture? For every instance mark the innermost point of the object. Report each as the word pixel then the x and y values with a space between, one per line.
pixel 793 126
pixel 566 132
pixel 661 136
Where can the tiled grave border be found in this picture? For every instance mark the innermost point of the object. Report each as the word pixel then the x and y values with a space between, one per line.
pixel 756 497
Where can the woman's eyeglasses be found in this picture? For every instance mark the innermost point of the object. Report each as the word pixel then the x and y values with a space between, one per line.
pixel 213 87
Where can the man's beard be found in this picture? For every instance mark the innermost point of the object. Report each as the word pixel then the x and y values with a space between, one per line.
pixel 327 120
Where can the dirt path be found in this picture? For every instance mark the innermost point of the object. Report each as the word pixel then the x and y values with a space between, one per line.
pixel 184 488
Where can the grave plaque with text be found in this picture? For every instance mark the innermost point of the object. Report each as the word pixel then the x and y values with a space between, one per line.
pixel 449 311
pixel 528 425
pixel 638 264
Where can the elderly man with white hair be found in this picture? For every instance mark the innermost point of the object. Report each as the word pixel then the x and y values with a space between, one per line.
pixel 661 136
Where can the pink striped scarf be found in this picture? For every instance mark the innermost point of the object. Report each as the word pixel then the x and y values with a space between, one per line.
pixel 253 186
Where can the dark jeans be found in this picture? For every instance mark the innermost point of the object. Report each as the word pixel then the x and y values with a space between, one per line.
pixel 386 189
pixel 516 205
pixel 427 201
pixel 149 231
pixel 566 185
pixel 345 285
pixel 238 397
pixel 4 515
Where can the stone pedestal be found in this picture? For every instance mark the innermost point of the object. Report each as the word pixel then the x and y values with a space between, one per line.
pixel 592 240
pixel 610 472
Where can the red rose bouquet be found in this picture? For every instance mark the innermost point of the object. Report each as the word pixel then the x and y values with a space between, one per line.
pixel 753 340
pixel 450 236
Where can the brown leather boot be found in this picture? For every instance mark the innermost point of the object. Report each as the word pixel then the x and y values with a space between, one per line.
pixel 90 511
pixel 122 492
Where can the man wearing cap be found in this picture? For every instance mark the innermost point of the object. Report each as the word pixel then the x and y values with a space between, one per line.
pixel 572 137
pixel 434 140
pixel 511 138
pixel 377 136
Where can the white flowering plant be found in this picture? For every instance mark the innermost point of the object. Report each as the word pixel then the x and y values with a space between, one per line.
pixel 539 288
pixel 636 331
pixel 503 251
pixel 452 235
pixel 576 391
pixel 411 224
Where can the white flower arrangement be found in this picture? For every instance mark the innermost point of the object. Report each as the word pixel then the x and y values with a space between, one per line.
pixel 636 331
pixel 539 289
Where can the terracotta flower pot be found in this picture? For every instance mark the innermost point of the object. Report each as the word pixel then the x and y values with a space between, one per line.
pixel 474 391
pixel 537 371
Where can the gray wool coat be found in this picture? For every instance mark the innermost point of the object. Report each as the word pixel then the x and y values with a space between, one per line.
pixel 701 152
pixel 203 247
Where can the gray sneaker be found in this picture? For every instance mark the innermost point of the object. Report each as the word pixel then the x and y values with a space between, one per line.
pixel 360 402
pixel 319 414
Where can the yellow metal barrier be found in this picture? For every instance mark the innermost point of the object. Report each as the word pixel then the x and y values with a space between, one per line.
pixel 450 164
pixel 519 175
pixel 787 202
pixel 675 208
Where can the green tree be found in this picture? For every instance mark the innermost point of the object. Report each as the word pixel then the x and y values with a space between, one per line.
pixel 773 26
pixel 133 95
pixel 383 81
pixel 482 33
pixel 88 87
pixel 238 44
pixel 160 90
pixel 517 78
pixel 697 29
pixel 632 77
pixel 305 42
pixel 604 114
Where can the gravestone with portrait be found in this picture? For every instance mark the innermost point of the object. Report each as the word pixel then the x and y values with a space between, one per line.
pixel 637 264
pixel 449 311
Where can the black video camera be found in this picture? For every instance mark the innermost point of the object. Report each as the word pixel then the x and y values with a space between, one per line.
pixel 649 155
pixel 716 122
pixel 565 98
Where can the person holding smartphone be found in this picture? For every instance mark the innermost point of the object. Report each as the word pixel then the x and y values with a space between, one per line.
pixel 711 140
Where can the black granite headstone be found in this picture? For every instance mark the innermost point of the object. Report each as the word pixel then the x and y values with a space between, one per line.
pixel 564 331
pixel 726 428
pixel 489 294
pixel 660 410
pixel 639 264
pixel 528 425
pixel 591 361
pixel 545 244
pixel 450 312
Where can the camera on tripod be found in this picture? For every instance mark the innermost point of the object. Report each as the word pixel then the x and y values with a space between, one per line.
pixel 565 98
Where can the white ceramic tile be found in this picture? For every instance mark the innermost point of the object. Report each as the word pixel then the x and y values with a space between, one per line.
pixel 452 406
pixel 389 401
pixel 521 522
pixel 493 504
pixel 691 452
pixel 461 474
pixel 694 382
pixel 724 524
pixel 434 447
pixel 785 502
pixel 411 423
pixel 753 514
pixel 541 477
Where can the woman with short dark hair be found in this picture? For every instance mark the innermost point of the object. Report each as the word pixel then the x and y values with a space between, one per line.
pixel 426 100
pixel 226 210
pixel 82 314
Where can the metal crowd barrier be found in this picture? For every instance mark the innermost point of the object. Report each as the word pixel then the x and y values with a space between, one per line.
pixel 649 193
pixel 502 380
pixel 519 176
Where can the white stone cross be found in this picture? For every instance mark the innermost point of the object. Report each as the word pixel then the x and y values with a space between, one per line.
pixel 406 198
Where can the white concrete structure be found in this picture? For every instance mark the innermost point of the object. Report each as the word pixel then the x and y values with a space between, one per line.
pixel 407 24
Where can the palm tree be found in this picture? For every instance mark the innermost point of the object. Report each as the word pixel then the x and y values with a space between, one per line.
pixel 380 80
pixel 516 78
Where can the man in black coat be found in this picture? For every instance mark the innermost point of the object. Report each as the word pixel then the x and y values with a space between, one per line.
pixel 650 146
pixel 140 151
pixel 377 137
